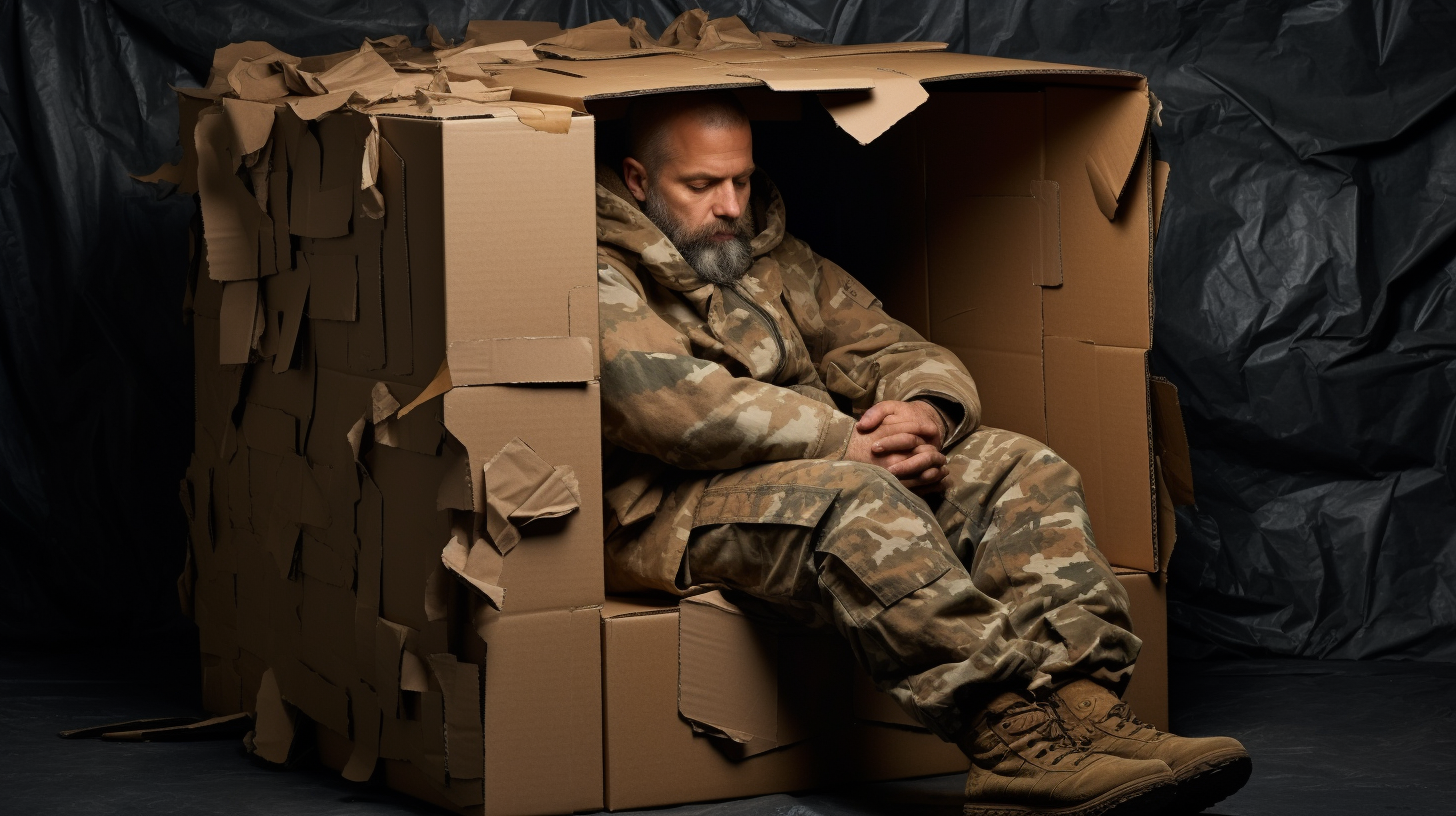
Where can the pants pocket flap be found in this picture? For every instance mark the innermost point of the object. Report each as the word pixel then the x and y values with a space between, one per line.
pixel 799 505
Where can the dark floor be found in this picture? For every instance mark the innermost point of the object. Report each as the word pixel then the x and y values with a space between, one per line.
pixel 1327 738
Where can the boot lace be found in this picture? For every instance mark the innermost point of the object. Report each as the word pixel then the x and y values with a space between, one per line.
pixel 1049 734
pixel 1122 712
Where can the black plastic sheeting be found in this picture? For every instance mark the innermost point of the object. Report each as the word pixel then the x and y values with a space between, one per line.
pixel 1304 274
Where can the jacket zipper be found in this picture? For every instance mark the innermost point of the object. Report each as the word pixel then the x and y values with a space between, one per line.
pixel 773 328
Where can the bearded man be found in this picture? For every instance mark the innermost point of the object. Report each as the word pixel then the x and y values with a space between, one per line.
pixel 770 431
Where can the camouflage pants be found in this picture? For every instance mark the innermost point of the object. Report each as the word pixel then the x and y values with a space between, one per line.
pixel 999 585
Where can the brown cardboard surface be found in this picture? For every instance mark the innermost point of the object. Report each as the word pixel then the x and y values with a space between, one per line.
pixel 1105 295
pixel 655 758
pixel 553 566
pixel 728 672
pixel 1098 420
pixel 543 685
pixel 517 234
pixel 1147 694
pixel 652 756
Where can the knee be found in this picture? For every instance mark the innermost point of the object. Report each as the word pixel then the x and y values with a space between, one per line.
pixel 1025 456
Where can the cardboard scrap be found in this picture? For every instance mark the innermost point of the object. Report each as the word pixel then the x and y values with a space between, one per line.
pixel 366 718
pixel 867 114
pixel 276 720
pixel 95 731
pixel 479 566
pixel 460 687
pixel 382 403
pixel 439 385
pixel 229 726
pixel 520 488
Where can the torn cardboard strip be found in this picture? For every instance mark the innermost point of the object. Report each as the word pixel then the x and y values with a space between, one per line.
pixel 479 566
pixel 522 488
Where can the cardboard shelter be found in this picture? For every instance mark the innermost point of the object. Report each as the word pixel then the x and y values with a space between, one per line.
pixel 395 490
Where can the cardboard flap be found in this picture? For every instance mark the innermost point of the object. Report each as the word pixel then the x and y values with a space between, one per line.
pixel 1112 157
pixel 437 386
pixel 521 488
pixel 230 214
pixel 866 114
pixel 460 687
pixel 800 78
pixel 508 360
pixel 788 48
pixel 494 31
pixel 366 73
pixel 1160 187
pixel 604 39
pixel 727 671
pixel 1171 441
pixel 1048 270
pixel 479 566
pixel 273 735
pixel 252 124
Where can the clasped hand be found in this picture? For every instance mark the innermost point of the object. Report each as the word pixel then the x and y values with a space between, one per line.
pixel 905 439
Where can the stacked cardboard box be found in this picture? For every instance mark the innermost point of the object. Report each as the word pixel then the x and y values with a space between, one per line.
pixel 396 522
pixel 395 488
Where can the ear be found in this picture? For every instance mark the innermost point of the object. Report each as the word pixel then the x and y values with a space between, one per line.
pixel 636 177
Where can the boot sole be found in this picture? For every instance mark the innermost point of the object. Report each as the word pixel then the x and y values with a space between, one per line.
pixel 1208 783
pixel 1139 798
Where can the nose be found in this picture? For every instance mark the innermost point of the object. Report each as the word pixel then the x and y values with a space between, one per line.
pixel 725 202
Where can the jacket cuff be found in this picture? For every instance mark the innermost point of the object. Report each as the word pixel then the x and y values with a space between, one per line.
pixel 834 437
pixel 961 412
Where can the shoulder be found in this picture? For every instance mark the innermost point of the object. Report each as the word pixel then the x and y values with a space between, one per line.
pixel 796 258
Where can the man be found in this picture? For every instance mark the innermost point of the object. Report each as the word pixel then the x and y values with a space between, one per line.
pixel 956 560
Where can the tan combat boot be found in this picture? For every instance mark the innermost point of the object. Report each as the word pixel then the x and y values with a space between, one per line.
pixel 1024 762
pixel 1207 769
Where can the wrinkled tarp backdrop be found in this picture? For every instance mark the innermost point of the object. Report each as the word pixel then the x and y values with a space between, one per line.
pixel 1304 273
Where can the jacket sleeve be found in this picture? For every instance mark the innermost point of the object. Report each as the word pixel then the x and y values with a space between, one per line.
pixel 870 357
pixel 660 400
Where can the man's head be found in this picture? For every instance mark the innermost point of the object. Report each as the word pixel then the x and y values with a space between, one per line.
pixel 689 161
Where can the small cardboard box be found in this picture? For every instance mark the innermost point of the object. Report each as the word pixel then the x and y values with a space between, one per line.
pixel 702 703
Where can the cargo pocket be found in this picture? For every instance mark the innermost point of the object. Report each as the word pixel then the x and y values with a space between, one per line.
pixel 888 572
pixel 759 539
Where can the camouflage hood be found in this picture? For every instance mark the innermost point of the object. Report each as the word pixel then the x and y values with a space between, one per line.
pixel 621 223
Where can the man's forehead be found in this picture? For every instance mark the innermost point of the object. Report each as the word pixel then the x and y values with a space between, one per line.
pixel 715 149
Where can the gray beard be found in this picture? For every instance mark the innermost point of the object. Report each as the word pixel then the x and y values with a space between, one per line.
pixel 720 262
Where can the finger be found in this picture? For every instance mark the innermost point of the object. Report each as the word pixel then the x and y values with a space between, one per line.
pixel 924 477
pixel 872 417
pixel 918 462
pixel 890 459
pixel 898 442
pixel 921 427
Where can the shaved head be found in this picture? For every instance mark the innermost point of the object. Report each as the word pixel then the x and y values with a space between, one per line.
pixel 651 120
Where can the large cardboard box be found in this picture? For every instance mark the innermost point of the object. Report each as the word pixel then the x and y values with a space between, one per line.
pixel 394 493
pixel 395 489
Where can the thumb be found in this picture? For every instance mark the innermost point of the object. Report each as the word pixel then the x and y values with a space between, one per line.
pixel 871 418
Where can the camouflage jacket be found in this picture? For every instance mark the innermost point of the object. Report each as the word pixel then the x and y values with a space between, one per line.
pixel 699 377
